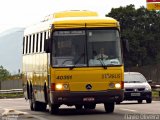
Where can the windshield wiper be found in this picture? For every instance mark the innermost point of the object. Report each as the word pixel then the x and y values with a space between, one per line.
pixel 102 63
pixel 80 57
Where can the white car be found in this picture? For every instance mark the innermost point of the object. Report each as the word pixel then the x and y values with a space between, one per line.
pixel 136 87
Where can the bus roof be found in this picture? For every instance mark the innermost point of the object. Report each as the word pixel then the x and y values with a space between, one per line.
pixel 72 19
pixel 75 13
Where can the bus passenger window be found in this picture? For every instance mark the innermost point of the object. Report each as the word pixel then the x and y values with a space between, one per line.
pixel 40 46
pixel 26 44
pixel 23 45
pixel 33 43
pixel 44 35
pixel 37 39
pixel 29 47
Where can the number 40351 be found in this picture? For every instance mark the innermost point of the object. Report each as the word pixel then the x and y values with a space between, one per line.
pixel 64 77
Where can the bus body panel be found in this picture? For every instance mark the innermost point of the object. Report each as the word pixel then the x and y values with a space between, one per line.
pixel 78 78
pixel 35 74
pixel 90 97
pixel 91 22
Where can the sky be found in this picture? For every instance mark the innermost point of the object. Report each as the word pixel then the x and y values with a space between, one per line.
pixel 23 13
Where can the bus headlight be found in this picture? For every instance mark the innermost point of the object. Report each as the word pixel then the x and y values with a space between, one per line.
pixel 118 85
pixel 59 86
pixel 62 86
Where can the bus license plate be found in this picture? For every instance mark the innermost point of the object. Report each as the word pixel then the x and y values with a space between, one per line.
pixel 88 99
pixel 135 94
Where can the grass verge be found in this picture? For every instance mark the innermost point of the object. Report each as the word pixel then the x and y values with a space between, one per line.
pixel 11 95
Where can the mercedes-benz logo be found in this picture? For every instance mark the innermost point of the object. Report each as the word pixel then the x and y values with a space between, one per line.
pixel 88 86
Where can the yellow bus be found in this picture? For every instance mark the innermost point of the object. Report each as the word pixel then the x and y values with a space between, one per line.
pixel 73 58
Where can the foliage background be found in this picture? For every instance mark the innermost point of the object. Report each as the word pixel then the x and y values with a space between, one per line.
pixel 142 29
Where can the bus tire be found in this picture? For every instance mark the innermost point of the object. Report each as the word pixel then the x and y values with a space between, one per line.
pixel 140 101
pixel 45 94
pixel 31 105
pixel 109 107
pixel 78 107
pixel 34 106
pixel 28 91
pixel 118 102
pixel 53 108
pixel 42 106
pixel 90 106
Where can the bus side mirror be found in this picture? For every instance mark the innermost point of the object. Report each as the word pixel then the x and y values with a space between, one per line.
pixel 47 45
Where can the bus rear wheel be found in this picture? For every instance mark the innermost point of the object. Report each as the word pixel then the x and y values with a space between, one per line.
pixel 140 101
pixel 78 107
pixel 90 106
pixel 33 103
pixel 109 107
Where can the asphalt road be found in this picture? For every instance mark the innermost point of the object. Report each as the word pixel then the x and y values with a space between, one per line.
pixel 18 109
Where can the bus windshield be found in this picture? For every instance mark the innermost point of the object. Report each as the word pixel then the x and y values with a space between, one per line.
pixel 100 47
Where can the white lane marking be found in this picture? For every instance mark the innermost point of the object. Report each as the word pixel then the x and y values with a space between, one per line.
pixel 128 110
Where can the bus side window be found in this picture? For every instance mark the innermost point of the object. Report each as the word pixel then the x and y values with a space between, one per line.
pixel 37 39
pixel 47 35
pixel 26 44
pixel 29 47
pixel 44 38
pixel 40 46
pixel 33 45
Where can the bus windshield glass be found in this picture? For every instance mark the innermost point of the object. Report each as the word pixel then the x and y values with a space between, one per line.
pixel 78 48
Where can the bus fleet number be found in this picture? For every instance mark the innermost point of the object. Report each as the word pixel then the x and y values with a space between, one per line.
pixel 65 77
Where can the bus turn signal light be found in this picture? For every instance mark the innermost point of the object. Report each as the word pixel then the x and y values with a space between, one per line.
pixel 53 87
pixel 122 84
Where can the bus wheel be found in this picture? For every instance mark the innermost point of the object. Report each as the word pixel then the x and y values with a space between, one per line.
pixel 42 106
pixel 45 94
pixel 109 107
pixel 53 109
pixel 90 106
pixel 78 107
pixel 140 101
pixel 33 103
pixel 118 103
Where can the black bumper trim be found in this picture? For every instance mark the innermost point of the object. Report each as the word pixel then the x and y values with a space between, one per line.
pixel 72 98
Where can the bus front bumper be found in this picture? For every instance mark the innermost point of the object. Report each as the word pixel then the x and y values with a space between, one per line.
pixel 72 98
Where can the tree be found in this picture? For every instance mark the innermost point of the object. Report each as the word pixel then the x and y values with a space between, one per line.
pixel 141 28
pixel 4 74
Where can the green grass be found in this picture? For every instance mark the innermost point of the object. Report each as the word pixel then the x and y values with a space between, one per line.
pixel 11 95
pixel 155 94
